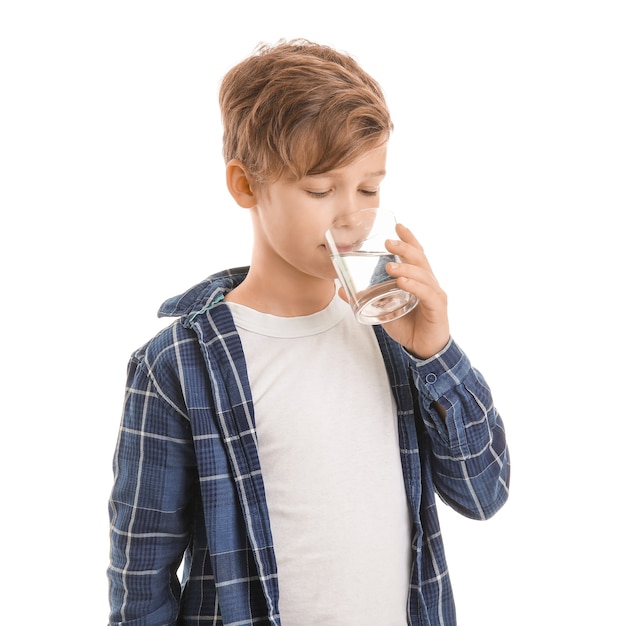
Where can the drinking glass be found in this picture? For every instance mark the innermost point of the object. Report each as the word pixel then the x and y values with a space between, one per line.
pixel 356 243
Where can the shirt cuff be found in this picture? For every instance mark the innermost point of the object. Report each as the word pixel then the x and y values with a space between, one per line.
pixel 436 376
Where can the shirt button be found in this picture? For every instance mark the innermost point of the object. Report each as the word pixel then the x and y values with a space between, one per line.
pixel 431 378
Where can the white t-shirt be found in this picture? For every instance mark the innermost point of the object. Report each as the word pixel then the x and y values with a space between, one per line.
pixel 329 453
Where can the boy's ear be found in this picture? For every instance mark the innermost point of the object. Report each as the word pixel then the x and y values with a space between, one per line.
pixel 239 184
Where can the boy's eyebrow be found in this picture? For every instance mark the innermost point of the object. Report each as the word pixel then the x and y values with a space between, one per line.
pixel 335 173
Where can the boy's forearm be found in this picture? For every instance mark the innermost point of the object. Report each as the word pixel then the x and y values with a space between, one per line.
pixel 442 412
pixel 469 448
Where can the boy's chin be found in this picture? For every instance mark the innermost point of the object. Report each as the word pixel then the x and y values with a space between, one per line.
pixel 329 272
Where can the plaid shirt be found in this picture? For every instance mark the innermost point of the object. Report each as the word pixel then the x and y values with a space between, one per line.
pixel 188 479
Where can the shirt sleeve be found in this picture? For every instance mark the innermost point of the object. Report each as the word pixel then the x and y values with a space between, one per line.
pixel 468 448
pixel 154 478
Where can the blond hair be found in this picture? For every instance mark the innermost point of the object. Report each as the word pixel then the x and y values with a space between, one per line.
pixel 298 108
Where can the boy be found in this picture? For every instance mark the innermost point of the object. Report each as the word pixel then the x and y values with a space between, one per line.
pixel 287 452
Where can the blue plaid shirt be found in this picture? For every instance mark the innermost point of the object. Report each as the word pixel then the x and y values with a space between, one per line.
pixel 188 480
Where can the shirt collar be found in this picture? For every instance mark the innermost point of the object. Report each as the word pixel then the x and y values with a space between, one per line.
pixel 203 295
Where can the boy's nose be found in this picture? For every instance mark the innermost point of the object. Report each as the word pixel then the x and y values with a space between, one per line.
pixel 356 222
pixel 346 218
pixel 353 214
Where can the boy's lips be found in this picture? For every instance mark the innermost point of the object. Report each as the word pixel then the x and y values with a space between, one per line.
pixel 341 248
pixel 345 248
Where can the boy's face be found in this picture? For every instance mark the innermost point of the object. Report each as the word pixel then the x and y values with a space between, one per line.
pixel 291 217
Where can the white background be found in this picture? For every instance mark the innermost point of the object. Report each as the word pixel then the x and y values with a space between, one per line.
pixel 504 162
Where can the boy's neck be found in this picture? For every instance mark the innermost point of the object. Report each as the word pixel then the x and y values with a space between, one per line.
pixel 281 297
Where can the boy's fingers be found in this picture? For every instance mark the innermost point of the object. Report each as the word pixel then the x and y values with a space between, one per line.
pixel 409 250
pixel 405 234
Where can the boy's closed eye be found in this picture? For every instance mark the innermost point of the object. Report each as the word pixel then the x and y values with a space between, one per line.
pixel 324 194
pixel 318 194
